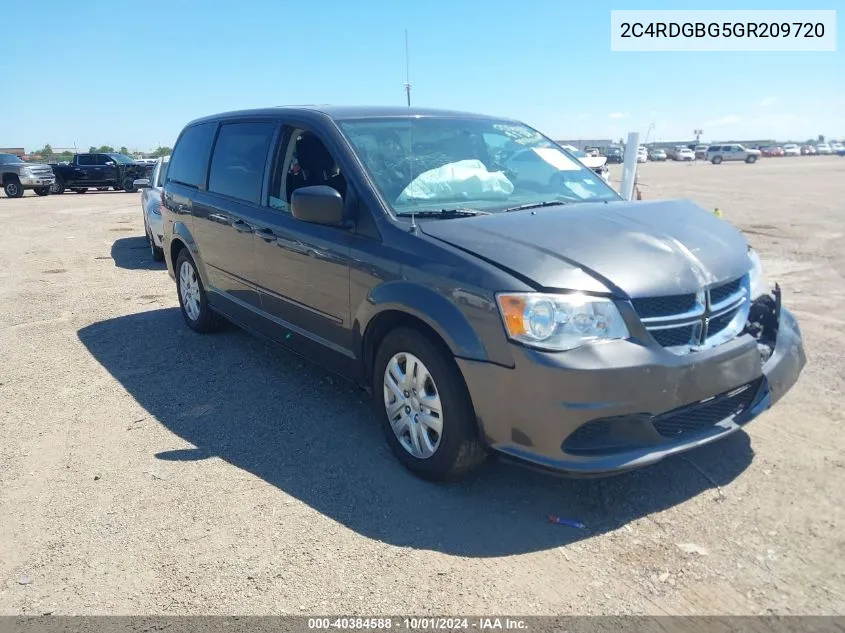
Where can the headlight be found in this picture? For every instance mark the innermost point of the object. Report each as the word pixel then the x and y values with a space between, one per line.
pixel 27 171
pixel 560 322
pixel 757 278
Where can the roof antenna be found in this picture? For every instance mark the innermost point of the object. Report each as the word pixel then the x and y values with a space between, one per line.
pixel 413 227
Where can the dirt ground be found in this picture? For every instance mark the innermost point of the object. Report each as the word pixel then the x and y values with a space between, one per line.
pixel 145 469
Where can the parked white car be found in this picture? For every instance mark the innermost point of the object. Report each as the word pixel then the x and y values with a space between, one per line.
pixel 150 205
pixel 642 154
pixel 824 148
pixel 835 147
pixel 791 149
pixel 684 153
pixel 597 163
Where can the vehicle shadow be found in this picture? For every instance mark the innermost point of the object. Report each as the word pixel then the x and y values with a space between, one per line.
pixel 133 253
pixel 314 436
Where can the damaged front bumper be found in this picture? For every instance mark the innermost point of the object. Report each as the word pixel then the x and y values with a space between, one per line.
pixel 622 405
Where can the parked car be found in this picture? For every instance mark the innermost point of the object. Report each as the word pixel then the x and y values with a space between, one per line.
pixel 683 154
pixel 807 150
pixel 614 154
pixel 151 207
pixel 17 176
pixel 791 149
pixel 657 154
pixel 700 152
pixel 605 335
pixel 100 171
pixel 835 147
pixel 717 154
pixel 597 163
pixel 777 150
pixel 592 151
pixel 823 148
pixel 642 154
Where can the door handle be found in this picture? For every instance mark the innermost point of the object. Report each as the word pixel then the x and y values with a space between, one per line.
pixel 242 227
pixel 218 217
pixel 266 234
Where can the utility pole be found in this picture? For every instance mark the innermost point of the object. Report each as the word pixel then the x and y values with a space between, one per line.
pixel 698 134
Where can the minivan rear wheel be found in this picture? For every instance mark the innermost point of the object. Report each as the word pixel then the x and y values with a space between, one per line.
pixel 192 298
pixel 425 409
pixel 716 160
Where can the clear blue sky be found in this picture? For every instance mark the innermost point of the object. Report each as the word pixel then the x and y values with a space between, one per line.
pixel 95 72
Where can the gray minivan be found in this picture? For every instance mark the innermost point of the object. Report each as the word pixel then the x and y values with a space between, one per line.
pixel 404 249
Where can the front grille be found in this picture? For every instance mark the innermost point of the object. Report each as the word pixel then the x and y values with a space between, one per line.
pixel 615 435
pixel 682 323
pixel 671 337
pixel 661 306
pixel 725 291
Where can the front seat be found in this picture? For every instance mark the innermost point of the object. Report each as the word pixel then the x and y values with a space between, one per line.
pixel 317 167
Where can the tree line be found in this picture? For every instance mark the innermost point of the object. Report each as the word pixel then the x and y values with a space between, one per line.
pixel 47 153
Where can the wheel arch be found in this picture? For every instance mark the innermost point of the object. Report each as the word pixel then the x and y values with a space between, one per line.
pixel 402 303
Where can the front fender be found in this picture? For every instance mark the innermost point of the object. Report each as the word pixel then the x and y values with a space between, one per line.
pixel 428 306
pixel 182 233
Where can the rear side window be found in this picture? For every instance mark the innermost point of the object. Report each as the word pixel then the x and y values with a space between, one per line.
pixel 86 160
pixel 240 154
pixel 189 162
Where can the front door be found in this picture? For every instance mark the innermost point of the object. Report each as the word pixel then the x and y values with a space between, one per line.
pixel 106 170
pixel 223 216
pixel 303 268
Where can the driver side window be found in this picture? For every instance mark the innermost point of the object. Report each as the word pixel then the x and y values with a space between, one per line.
pixel 303 162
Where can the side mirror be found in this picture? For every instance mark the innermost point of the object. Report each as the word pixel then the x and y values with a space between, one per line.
pixel 318 204
pixel 142 183
pixel 109 163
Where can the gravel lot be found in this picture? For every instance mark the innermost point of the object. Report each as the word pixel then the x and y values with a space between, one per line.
pixel 145 469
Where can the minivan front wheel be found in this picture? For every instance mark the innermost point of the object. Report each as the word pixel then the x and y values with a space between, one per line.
pixel 716 160
pixel 425 410
pixel 192 298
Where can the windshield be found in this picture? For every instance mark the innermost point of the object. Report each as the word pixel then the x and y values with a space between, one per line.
pixel 6 159
pixel 120 158
pixel 162 172
pixel 484 164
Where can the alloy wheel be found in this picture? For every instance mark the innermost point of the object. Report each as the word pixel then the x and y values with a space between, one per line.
pixel 189 288
pixel 412 403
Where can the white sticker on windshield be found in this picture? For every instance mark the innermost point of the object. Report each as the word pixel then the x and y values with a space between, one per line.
pixel 556 158
pixel 579 189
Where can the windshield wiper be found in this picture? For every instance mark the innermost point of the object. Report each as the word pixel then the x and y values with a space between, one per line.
pixel 536 205
pixel 443 213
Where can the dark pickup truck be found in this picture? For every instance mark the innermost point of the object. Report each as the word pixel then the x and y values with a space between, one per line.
pixel 102 171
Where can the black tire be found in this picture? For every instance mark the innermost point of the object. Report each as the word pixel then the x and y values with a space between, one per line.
pixel 81 190
pixel 751 159
pixel 716 160
pixel 42 191
pixel 460 449
pixel 58 187
pixel 207 321
pixel 129 185
pixel 13 188
pixel 155 252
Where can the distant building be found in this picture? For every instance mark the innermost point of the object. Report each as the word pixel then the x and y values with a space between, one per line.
pixel 582 143
pixel 17 151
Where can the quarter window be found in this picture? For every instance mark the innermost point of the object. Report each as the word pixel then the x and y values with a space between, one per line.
pixel 237 166
pixel 190 156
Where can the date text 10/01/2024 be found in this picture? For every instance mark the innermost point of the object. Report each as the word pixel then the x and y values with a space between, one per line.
pixel 417 623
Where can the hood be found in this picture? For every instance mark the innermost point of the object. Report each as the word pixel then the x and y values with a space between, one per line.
pixel 634 249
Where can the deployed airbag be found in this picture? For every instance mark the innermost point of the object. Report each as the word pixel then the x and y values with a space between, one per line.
pixel 462 180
